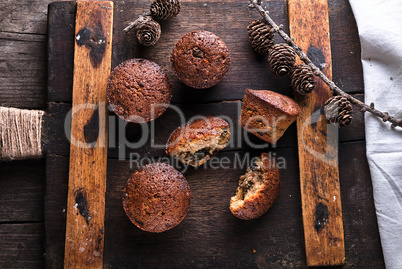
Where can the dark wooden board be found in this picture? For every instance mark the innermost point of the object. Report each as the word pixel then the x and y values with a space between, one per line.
pixel 21 245
pixel 22 191
pixel 209 236
pixel 23 53
pixel 22 233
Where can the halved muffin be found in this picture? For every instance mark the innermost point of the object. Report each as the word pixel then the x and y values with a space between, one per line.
pixel 196 142
pixel 257 190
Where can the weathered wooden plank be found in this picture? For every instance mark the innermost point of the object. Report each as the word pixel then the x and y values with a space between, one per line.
pixel 22 186
pixel 362 241
pixel 122 133
pixel 55 132
pixel 210 236
pixel 23 59
pixel 21 245
pixel 22 74
pixel 317 141
pixel 24 16
pixel 345 47
pixel 89 135
pixel 55 209
pixel 61 26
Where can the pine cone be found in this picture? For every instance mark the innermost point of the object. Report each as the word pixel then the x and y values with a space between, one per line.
pixel 338 111
pixel 165 9
pixel 147 30
pixel 281 58
pixel 302 79
pixel 261 36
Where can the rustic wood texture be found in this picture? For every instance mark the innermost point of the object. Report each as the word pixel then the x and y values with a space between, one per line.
pixel 21 245
pixel 317 141
pixel 88 151
pixel 22 237
pixel 22 191
pixel 23 75
pixel 23 58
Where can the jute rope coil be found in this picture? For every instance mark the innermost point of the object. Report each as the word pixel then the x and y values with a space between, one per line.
pixel 20 133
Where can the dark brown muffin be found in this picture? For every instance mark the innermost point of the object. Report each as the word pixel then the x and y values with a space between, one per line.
pixel 138 90
pixel 196 142
pixel 200 59
pixel 157 197
pixel 257 190
pixel 267 114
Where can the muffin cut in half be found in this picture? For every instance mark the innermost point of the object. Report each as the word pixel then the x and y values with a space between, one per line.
pixel 267 114
pixel 196 142
pixel 257 190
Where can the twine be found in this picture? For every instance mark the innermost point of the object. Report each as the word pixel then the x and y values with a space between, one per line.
pixel 20 133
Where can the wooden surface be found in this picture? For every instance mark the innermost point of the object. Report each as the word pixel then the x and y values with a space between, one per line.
pixel 89 135
pixel 317 141
pixel 22 184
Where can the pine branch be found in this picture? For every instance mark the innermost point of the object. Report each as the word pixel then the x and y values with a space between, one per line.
pixel 335 89
pixel 133 24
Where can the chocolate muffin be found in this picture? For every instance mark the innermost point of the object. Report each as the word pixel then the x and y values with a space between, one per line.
pixel 200 59
pixel 267 114
pixel 157 197
pixel 196 142
pixel 138 90
pixel 257 190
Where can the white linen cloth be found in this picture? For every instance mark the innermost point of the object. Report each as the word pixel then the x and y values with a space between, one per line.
pixel 379 25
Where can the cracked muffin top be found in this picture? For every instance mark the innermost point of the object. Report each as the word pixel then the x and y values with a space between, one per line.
pixel 200 59
pixel 156 197
pixel 138 90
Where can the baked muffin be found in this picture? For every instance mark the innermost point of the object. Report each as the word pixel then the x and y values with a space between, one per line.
pixel 138 90
pixel 257 190
pixel 196 142
pixel 156 198
pixel 200 59
pixel 267 114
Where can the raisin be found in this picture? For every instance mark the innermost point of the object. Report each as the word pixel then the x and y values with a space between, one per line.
pixel 200 154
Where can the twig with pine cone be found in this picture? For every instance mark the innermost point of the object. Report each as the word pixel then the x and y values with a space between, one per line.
pixel 338 108
pixel 146 28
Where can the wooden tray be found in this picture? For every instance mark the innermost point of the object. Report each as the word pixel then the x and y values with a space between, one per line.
pixel 209 236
